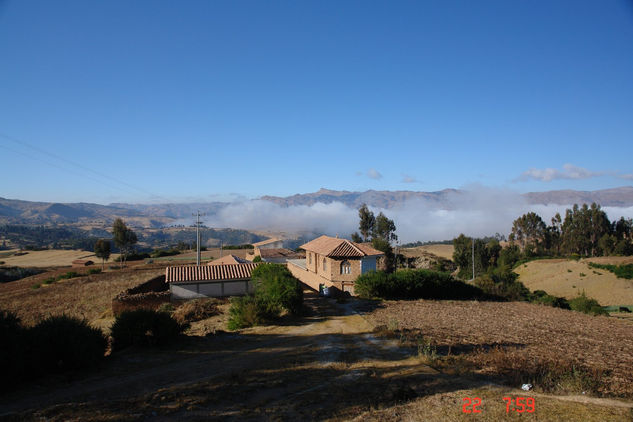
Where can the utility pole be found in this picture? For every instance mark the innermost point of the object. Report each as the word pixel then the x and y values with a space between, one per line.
pixel 472 241
pixel 198 236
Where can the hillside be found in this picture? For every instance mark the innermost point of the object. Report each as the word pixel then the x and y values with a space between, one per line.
pixel 157 215
pixel 568 278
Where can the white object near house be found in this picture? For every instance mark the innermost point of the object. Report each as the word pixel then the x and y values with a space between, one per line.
pixel 198 281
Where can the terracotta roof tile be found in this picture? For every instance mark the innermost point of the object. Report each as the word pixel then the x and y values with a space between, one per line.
pixel 279 253
pixel 228 259
pixel 184 273
pixel 335 247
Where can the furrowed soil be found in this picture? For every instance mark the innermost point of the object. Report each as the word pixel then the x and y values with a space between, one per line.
pixel 330 364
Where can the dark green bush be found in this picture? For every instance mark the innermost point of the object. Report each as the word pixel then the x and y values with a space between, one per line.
pixel 69 274
pixel 144 327
pixel 158 253
pixel 540 296
pixel 94 271
pixel 276 289
pixel 244 312
pixel 257 259
pixel 62 343
pixel 587 305
pixel 414 284
pixel 13 350
pixel 621 271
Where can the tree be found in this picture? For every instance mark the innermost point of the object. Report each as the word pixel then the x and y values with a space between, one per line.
pixel 102 250
pixel 124 238
pixel 356 237
pixel 384 228
pixel 367 222
pixel 389 259
pixel 529 231
pixel 582 229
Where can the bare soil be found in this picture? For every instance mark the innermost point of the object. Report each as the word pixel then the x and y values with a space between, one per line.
pixel 487 333
pixel 328 365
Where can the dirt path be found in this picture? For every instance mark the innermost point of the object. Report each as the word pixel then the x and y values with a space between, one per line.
pixel 327 365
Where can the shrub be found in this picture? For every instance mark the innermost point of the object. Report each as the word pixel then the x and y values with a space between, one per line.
pixel 94 271
pixel 13 350
pixel 244 312
pixel 257 259
pixel 61 343
pixel 144 327
pixel 414 284
pixel 49 280
pixel 587 305
pixel 540 296
pixel 276 289
pixel 196 310
pixel 621 271
pixel 69 274
pixel 36 286
pixel 167 308
pixel 164 252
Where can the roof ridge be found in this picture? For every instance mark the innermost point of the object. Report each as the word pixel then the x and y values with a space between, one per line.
pixel 355 247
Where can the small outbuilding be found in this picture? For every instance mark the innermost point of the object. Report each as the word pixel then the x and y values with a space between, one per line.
pixel 198 281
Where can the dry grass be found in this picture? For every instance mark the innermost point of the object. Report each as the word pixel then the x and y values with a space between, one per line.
pixel 449 407
pixel 50 258
pixel 88 297
pixel 444 251
pixel 530 336
pixel 562 277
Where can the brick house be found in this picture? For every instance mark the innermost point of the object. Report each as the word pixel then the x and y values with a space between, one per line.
pixel 334 262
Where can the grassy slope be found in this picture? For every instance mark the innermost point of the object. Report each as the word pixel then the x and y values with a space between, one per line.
pixel 562 277
pixel 88 297
pixel 444 251
pixel 50 258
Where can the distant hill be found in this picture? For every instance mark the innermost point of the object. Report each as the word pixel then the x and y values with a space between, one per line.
pixel 616 197
pixel 158 215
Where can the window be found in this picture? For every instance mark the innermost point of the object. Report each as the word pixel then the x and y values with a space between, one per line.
pixel 324 264
pixel 309 258
pixel 346 267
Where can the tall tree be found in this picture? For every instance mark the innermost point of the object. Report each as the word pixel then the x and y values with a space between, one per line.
pixel 367 222
pixel 124 238
pixel 582 229
pixel 384 228
pixel 529 231
pixel 102 250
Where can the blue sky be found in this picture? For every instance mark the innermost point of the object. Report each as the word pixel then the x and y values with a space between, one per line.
pixel 143 101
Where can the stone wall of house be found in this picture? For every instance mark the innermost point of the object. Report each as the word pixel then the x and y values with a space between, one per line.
pixel 308 277
pixel 148 295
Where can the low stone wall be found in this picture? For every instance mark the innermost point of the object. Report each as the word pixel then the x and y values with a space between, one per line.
pixel 148 295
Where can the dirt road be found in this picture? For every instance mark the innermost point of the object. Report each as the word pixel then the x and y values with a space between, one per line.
pixel 327 365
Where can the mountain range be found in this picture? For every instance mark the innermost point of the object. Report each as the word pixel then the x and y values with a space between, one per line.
pixel 157 215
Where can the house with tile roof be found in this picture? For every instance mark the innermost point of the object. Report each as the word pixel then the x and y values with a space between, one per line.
pixel 227 260
pixel 198 281
pixel 334 262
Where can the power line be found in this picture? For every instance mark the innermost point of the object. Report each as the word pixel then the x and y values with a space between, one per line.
pixel 75 164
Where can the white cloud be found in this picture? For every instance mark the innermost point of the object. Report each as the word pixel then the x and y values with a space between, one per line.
pixel 626 176
pixel 372 173
pixel 569 171
pixel 408 179
pixel 479 211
